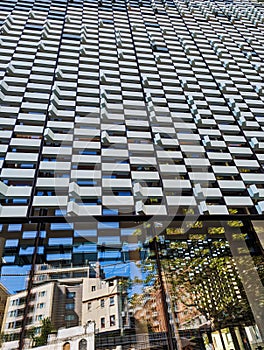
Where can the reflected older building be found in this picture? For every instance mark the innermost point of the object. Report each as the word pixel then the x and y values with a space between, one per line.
pixel 149 311
pixel 74 338
pixel 69 297
pixel 60 302
pixel 104 303
pixel 3 299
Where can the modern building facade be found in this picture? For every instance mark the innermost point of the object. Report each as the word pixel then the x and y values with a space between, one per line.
pixel 160 103
pixel 124 120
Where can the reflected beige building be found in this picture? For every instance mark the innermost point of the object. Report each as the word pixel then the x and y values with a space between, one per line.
pixel 69 302
pixel 3 299
pixel 105 304
pixel 61 302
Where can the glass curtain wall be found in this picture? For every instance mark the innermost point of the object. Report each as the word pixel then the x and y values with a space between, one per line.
pixel 151 285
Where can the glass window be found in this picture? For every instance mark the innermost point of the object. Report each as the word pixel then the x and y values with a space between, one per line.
pixel 102 302
pixel 69 306
pixel 112 320
pixel 112 301
pixel 102 322
pixel 70 295
pixel 83 344
pixel 69 318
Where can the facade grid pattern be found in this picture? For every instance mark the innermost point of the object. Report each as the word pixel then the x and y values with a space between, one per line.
pixel 141 107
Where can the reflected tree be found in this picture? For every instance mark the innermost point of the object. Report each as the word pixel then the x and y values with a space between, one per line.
pixel 46 329
pixel 211 285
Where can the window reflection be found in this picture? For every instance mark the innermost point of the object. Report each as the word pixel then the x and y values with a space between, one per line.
pixel 184 286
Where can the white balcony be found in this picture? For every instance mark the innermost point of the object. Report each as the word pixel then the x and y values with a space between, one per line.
pixel 13 211
pixel 50 136
pixel 225 170
pixel 21 174
pixel 111 167
pixel 205 192
pixel 162 141
pixel 60 151
pixel 146 147
pixel 52 183
pixel 178 201
pixel 50 201
pixel 143 160
pixel 84 192
pixel 201 176
pixel 14 191
pixel 29 129
pixel 21 157
pixel 118 184
pixel 147 192
pixel 238 201
pixel 173 169
pixel 118 201
pixel 86 174
pixel 247 163
pixel 74 209
pixel 5 134
pixel 145 175
pixel 176 184
pixel 252 178
pixel 118 153
pixel 25 143
pixel 56 166
pixel 231 185
pixel 169 155
pixel 212 209
pixel 260 207
pixel 142 209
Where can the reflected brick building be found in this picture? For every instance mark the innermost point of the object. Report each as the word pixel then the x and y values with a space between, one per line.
pixel 149 311
pixel 3 299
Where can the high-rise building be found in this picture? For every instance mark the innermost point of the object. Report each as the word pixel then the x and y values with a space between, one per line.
pixel 122 120
pixel 131 108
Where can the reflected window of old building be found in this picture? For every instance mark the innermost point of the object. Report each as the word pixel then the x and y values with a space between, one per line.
pixel 83 344
pixel 67 346
pixel 112 320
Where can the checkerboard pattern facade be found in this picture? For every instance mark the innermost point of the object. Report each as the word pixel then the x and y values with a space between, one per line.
pixel 131 107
